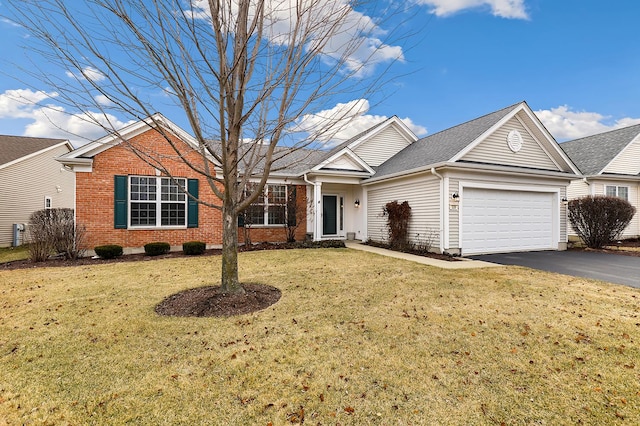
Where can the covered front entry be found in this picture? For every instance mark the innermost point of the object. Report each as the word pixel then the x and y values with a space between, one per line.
pixel 496 220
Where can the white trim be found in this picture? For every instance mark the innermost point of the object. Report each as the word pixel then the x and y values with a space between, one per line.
pixel 492 168
pixel 541 145
pixel 344 152
pixel 116 137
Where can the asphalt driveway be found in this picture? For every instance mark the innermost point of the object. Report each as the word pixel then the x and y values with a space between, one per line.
pixel 613 268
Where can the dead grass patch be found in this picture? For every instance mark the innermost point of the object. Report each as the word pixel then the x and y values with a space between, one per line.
pixel 356 338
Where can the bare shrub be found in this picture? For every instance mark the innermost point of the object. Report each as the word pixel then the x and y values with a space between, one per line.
pixel 598 220
pixel 398 215
pixel 424 242
pixel 54 231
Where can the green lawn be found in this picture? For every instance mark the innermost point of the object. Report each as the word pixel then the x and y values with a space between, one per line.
pixel 356 339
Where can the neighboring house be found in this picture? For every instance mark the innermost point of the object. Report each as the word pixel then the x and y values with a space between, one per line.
pixel 31 180
pixel 494 184
pixel 610 164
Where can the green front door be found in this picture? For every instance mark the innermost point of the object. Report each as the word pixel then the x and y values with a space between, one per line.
pixel 329 215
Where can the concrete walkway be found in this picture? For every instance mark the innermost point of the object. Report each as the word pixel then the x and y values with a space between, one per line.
pixel 461 264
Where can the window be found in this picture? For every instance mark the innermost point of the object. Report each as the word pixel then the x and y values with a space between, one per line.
pixel 270 208
pixel 148 209
pixel 48 203
pixel 617 191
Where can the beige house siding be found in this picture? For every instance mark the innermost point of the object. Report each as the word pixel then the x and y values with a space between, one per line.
pixel 423 195
pixel 577 189
pixel 381 146
pixel 627 162
pixel 542 135
pixel 25 185
pixel 494 149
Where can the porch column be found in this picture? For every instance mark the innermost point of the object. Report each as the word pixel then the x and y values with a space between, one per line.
pixel 317 216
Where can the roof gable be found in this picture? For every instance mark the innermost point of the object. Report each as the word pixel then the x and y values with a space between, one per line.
pixel 344 161
pixel 373 140
pixel 494 148
pixel 615 151
pixel 453 144
pixel 116 137
pixel 18 148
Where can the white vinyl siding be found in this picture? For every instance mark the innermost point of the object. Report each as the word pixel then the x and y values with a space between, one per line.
pixel 627 162
pixel 423 196
pixel 494 150
pixel 577 189
pixel 381 146
pixel 24 186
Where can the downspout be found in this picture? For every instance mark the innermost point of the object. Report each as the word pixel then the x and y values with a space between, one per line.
pixel 443 201
pixel 585 180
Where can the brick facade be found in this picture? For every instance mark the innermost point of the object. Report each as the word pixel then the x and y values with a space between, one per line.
pixel 95 197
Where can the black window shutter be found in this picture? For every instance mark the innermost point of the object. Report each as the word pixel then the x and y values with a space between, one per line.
pixel 120 202
pixel 192 205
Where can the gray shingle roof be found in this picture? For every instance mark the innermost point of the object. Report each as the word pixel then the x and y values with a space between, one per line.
pixel 594 153
pixel 441 146
pixel 287 161
pixel 15 147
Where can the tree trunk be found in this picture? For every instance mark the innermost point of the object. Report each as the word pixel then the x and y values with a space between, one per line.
pixel 230 282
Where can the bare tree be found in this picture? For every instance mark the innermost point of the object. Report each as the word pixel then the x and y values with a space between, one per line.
pixel 237 70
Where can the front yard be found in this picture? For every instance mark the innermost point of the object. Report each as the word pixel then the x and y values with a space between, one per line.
pixel 355 339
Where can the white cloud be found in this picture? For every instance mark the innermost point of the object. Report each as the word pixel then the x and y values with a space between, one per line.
pixel 87 73
pixel 51 121
pixel 103 100
pixel 564 123
pixel 513 9
pixel 344 121
pixel 355 38
pixel 20 103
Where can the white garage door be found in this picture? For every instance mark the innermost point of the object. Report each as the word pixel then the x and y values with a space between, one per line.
pixel 495 221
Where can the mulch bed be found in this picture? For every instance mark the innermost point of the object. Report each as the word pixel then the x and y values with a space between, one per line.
pixel 212 302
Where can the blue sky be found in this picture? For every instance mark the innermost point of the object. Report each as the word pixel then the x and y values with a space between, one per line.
pixel 576 63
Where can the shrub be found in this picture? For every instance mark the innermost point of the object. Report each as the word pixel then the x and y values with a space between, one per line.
pixel 193 247
pixel 55 231
pixel 109 251
pixel 598 220
pixel 398 215
pixel 156 249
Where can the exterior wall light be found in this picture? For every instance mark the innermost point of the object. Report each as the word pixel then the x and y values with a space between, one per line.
pixel 356 203
pixel 455 196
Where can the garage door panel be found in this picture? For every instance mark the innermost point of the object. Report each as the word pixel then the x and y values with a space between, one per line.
pixel 501 221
